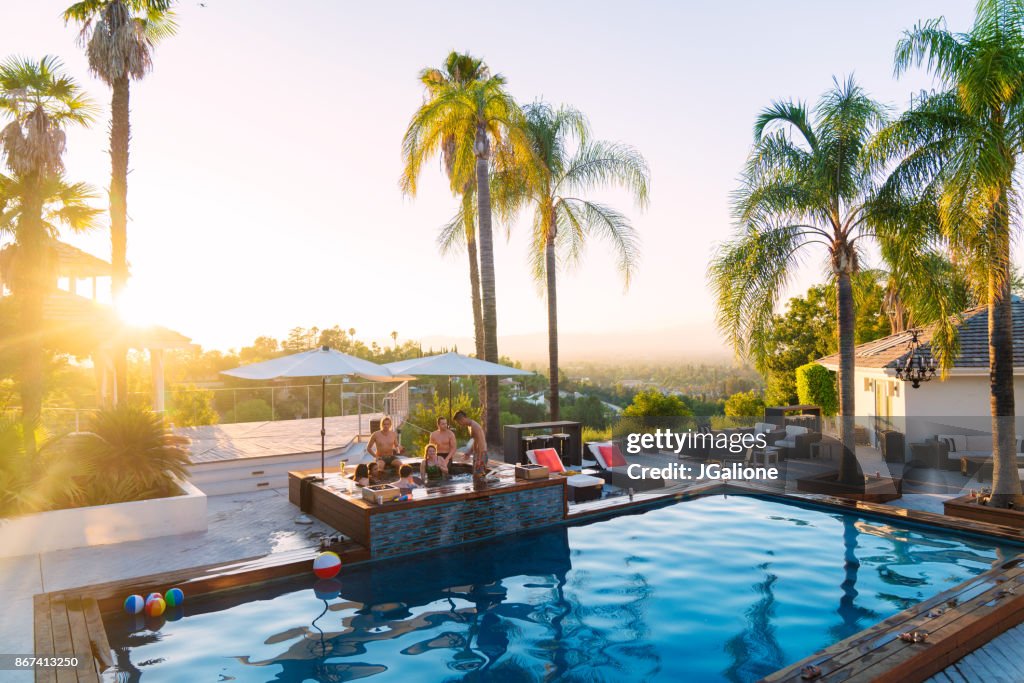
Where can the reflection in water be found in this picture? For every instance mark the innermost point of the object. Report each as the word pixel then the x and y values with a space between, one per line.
pixel 755 652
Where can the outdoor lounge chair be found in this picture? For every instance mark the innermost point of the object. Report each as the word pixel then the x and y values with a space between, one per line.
pixel 616 472
pixel 582 487
pixel 797 443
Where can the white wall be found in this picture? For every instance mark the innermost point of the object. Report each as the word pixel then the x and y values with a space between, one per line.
pixel 103 524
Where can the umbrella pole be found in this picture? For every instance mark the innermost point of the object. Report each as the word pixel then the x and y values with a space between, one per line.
pixel 323 423
pixel 449 400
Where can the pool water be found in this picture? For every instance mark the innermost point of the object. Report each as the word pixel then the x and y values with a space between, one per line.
pixel 722 588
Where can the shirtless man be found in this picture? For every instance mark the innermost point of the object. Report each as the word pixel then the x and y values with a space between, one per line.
pixel 445 439
pixel 384 447
pixel 479 442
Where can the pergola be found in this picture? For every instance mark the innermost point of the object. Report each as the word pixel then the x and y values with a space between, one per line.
pixel 89 327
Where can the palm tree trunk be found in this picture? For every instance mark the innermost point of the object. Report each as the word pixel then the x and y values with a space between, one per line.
pixel 32 282
pixel 474 285
pixel 849 472
pixel 1006 487
pixel 549 267
pixel 488 299
pixel 119 137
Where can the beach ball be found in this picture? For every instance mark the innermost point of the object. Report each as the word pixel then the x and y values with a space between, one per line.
pixel 327 565
pixel 153 596
pixel 134 604
pixel 156 607
pixel 327 589
pixel 174 597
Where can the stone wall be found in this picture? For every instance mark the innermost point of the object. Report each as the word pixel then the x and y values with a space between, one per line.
pixel 447 524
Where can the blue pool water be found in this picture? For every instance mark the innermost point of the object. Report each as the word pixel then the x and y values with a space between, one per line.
pixel 723 588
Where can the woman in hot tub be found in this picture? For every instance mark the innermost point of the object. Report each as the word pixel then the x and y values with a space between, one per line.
pixel 433 468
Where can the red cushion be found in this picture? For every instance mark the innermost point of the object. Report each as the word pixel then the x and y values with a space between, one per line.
pixel 549 458
pixel 612 456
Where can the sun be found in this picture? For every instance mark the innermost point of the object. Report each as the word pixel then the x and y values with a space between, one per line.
pixel 134 308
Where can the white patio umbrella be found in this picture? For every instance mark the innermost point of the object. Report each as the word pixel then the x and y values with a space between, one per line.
pixel 323 362
pixel 450 365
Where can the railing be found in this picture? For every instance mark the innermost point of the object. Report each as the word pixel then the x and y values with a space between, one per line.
pixel 346 398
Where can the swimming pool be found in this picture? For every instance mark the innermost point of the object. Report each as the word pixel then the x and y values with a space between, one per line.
pixel 721 588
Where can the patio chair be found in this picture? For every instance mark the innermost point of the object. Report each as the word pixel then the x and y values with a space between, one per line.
pixel 581 487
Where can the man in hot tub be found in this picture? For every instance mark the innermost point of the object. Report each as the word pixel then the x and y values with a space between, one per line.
pixel 385 448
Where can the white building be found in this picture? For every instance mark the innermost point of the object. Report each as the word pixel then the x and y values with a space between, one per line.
pixel 960 401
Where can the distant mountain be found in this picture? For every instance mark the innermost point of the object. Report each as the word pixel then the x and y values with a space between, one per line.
pixel 699 344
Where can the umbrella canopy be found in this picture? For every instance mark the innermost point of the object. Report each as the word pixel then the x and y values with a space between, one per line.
pixel 321 362
pixel 451 365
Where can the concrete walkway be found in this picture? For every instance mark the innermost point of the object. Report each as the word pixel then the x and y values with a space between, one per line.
pixel 241 526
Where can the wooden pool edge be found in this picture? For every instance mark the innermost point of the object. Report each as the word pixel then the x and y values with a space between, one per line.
pixel 49 619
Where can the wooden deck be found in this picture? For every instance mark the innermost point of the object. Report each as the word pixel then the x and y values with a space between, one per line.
pixel 70 622
pixel 1000 660
pixel 956 621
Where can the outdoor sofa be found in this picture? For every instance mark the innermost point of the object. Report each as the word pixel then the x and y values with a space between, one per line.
pixel 613 466
pixel 797 442
pixel 964 452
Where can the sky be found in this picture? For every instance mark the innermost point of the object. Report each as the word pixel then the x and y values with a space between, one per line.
pixel 265 157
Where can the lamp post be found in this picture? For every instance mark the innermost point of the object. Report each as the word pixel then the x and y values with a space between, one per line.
pixel 916 369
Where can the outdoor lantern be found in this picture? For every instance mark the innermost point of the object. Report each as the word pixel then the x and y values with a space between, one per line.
pixel 916 368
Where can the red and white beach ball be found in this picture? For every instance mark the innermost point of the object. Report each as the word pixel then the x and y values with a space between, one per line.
pixel 327 565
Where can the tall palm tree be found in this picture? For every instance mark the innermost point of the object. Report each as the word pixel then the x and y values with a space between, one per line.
pixel 958 149
pixel 119 36
pixel 459 70
pixel 481 124
pixel 563 220
pixel 806 184
pixel 39 100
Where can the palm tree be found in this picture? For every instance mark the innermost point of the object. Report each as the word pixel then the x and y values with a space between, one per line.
pixel 480 124
pixel 563 220
pixel 459 70
pixel 40 100
pixel 119 36
pixel 956 150
pixel 806 184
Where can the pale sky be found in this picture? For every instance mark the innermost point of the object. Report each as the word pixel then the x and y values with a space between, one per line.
pixel 265 156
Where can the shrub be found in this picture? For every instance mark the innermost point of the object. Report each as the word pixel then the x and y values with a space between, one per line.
pixel 191 407
pixel 423 419
pixel 744 404
pixel 653 403
pixel 127 453
pixel 591 434
pixel 816 385
pixel 252 410
pixel 45 482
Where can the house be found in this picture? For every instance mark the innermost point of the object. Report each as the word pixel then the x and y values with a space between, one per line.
pixel 957 404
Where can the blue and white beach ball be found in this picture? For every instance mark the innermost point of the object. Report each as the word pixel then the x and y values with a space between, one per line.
pixel 134 604
pixel 174 597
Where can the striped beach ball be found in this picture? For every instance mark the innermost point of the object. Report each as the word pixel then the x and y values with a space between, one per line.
pixel 327 565
pixel 155 608
pixel 134 604
pixel 174 597
pixel 154 596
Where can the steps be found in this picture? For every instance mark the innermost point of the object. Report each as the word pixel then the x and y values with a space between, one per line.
pixel 267 472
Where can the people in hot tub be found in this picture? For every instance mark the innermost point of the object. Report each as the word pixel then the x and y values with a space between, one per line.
pixel 362 475
pixel 434 466
pixel 406 482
